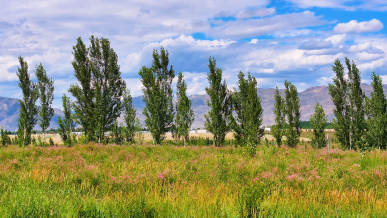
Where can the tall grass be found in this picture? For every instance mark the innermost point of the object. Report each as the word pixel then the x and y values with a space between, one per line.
pixel 193 181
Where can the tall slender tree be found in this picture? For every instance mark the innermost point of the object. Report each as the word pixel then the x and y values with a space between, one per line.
pixel 130 118
pixel 216 119
pixel 318 121
pixel 184 112
pixel 28 108
pixel 246 122
pixel 339 94
pixel 348 99
pixel 108 83
pixel 46 96
pixel 157 82
pixel 356 102
pixel 100 87
pixel 83 91
pixel 292 111
pixel 277 130
pixel 376 110
pixel 66 125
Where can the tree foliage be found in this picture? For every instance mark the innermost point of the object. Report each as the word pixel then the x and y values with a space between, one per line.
pixel 277 130
pixel 66 125
pixel 28 108
pixel 100 87
pixel 130 118
pixel 376 110
pixel 348 99
pixel 219 104
pixel 246 121
pixel 184 112
pixel 46 95
pixel 318 121
pixel 292 111
pixel 157 82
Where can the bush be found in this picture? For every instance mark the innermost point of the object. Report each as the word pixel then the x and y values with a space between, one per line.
pixel 251 198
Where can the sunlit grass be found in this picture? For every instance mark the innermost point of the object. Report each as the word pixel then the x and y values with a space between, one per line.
pixel 172 181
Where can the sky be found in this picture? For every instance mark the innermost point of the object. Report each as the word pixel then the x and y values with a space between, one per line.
pixel 295 40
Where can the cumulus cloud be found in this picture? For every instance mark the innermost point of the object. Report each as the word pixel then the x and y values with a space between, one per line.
pixel 354 26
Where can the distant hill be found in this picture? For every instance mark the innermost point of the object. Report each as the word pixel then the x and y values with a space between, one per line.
pixel 9 107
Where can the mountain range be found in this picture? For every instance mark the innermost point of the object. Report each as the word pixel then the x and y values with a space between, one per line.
pixel 9 107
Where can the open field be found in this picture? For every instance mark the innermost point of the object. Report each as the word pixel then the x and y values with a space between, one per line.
pixel 198 181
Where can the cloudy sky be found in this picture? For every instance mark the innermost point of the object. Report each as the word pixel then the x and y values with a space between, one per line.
pixel 275 40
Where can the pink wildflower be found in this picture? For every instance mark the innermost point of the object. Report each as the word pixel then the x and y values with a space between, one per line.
pixel 161 176
pixel 377 173
pixel 255 179
pixel 292 177
pixel 114 179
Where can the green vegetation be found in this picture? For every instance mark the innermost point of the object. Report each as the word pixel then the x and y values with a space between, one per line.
pixel 247 121
pixel 219 104
pixel 45 86
pixel 184 113
pixel 157 82
pixel 318 121
pixel 168 181
pixel 28 109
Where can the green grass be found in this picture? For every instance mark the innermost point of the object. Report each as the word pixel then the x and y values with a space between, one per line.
pixel 193 181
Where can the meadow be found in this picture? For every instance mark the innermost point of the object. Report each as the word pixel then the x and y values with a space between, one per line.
pixel 92 180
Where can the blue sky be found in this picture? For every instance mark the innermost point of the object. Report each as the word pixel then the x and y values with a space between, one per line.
pixel 275 40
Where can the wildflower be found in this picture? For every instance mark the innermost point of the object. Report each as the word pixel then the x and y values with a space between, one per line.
pixel 114 179
pixel 161 176
pixel 255 179
pixel 377 173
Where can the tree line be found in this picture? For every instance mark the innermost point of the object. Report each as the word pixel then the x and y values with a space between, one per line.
pixel 100 98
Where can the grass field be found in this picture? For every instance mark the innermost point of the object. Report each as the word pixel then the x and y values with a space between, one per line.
pixel 198 181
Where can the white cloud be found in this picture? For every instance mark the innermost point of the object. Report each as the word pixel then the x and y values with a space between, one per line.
pixel 252 27
pixel 253 41
pixel 7 62
pixel 354 26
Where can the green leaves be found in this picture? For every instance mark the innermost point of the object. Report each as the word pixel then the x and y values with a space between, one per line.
pixel 157 81
pixel 246 122
pixel 292 111
pixel 348 99
pixel 318 121
pixel 219 104
pixel 46 96
pixel 130 118
pixel 184 112
pixel 100 87
pixel 376 111
pixel 277 130
pixel 28 109
pixel 66 124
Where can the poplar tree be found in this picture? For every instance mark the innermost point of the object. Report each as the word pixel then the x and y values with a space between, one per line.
pixel 28 109
pixel 100 87
pixel 109 87
pixel 356 102
pixel 219 104
pixel 66 124
pixel 184 112
pixel 46 96
pixel 157 82
pixel 318 121
pixel 83 91
pixel 130 118
pixel 348 99
pixel 246 122
pixel 292 111
pixel 277 130
pixel 376 110
pixel 339 94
